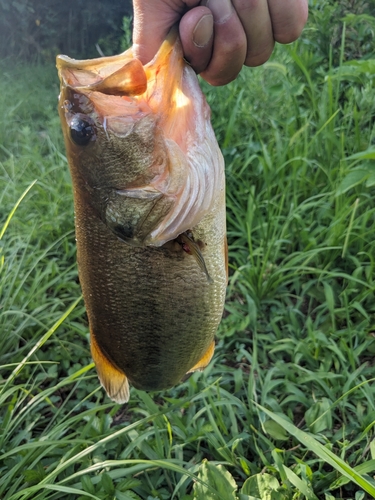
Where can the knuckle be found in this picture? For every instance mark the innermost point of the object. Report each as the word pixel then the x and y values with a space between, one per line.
pixel 243 6
pixel 254 61
pixel 221 75
pixel 218 81
pixel 290 28
pixel 288 34
pixel 234 47
pixel 257 59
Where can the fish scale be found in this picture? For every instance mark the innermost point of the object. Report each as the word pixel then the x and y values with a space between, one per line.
pixel 152 311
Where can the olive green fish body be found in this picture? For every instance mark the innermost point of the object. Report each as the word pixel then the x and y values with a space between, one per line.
pixel 152 310
pixel 149 196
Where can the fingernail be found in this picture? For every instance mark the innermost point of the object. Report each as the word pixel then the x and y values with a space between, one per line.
pixel 203 31
pixel 221 9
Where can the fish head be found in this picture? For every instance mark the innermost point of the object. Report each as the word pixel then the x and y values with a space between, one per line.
pixel 114 145
pixel 109 151
pixel 133 136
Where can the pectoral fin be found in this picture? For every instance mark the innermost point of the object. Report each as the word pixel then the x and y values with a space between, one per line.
pixel 191 247
pixel 112 379
pixel 203 362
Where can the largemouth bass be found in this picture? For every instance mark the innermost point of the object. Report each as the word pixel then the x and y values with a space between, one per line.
pixel 149 200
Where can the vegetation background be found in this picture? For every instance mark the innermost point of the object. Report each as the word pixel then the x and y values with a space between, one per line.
pixel 287 408
pixel 36 31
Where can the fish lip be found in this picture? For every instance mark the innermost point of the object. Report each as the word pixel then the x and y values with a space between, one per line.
pixel 121 75
pixel 66 62
pixel 102 67
pixel 63 61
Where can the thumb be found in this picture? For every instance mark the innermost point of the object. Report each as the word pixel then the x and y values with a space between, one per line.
pixel 197 35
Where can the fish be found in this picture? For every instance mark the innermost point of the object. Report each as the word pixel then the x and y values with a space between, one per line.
pixel 149 200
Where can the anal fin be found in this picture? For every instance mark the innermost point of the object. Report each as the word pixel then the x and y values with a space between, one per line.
pixel 112 379
pixel 203 362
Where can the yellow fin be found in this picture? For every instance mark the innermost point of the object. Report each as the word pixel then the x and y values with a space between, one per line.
pixel 195 251
pixel 203 362
pixel 112 379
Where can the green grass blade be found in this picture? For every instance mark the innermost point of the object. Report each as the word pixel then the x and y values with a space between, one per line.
pixel 12 212
pixel 321 451
pixel 39 344
pixel 67 489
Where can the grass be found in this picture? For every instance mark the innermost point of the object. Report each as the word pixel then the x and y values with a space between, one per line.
pixel 287 409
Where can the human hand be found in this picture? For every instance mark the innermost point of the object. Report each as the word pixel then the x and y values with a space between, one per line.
pixel 218 36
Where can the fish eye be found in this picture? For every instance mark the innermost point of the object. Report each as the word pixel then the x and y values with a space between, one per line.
pixel 81 131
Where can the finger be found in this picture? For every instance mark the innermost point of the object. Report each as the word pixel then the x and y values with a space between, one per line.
pixel 196 33
pixel 229 48
pixel 256 22
pixel 152 22
pixel 288 19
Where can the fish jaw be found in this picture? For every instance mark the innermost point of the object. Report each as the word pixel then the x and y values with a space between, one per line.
pixel 152 139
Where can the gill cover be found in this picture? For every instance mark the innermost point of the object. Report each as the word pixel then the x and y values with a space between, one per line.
pixel 152 121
